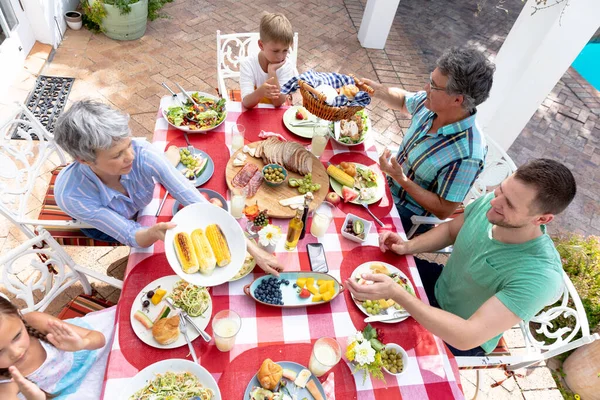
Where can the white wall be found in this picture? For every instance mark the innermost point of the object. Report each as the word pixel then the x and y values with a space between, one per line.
pixel 42 14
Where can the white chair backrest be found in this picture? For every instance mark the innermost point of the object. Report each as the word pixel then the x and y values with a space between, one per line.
pixel 232 48
pixel 26 276
pixel 556 337
pixel 498 167
pixel 22 162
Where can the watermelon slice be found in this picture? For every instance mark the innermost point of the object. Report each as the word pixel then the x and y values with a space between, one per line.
pixel 349 194
pixel 203 162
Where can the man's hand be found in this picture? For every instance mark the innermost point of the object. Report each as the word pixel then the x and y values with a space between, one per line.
pixel 389 165
pixel 270 89
pixel 378 88
pixel 272 68
pixel 27 388
pixel 392 241
pixel 383 287
pixel 63 337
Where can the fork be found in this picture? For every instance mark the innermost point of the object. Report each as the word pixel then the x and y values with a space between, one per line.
pixel 372 215
pixel 189 319
pixel 183 329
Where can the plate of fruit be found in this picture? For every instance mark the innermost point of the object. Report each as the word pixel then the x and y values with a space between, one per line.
pixel 381 306
pixel 213 197
pixel 356 183
pixel 195 165
pixel 294 289
pixel 300 122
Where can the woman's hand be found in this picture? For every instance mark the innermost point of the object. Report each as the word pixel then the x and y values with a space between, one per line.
pixel 268 262
pixel 383 287
pixel 389 165
pixel 63 337
pixel 392 241
pixel 30 390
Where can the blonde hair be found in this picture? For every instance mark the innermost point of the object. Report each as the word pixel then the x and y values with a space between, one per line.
pixel 275 27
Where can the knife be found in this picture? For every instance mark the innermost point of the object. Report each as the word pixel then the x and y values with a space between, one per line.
pixel 189 319
pixel 388 317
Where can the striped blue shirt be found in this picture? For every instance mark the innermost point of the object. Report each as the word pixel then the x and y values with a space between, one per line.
pixel 445 162
pixel 81 194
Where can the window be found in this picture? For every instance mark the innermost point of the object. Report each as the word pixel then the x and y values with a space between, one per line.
pixel 8 19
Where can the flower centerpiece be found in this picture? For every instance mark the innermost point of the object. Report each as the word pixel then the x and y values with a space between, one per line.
pixel 268 237
pixel 364 352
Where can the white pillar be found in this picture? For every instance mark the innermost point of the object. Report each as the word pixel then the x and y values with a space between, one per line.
pixel 535 55
pixel 377 22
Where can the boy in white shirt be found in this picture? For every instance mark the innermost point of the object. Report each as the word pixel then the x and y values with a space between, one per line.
pixel 262 74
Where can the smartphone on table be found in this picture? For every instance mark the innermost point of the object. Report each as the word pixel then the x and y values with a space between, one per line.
pixel 316 257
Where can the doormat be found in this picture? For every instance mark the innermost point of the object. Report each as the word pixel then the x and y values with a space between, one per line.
pixel 46 101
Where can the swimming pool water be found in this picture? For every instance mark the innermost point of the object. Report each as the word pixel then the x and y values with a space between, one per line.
pixel 587 64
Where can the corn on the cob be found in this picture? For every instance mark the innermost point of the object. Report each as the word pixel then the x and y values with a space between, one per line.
pixel 204 253
pixel 340 176
pixel 219 244
pixel 185 253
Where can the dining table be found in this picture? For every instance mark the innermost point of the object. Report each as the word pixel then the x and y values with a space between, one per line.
pixel 284 334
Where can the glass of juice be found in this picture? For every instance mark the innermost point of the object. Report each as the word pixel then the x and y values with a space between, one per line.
pixel 226 324
pixel 325 355
pixel 238 202
pixel 237 137
pixel 319 138
pixel 320 221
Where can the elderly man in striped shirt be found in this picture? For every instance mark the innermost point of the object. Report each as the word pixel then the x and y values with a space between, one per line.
pixel 443 151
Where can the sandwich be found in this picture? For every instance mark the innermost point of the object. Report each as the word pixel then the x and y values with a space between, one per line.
pixel 166 331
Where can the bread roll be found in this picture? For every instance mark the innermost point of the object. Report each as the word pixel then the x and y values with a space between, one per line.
pixel 349 91
pixel 166 330
pixel 269 374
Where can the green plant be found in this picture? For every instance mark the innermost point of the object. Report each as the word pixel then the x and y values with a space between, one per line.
pixel 94 13
pixel 154 7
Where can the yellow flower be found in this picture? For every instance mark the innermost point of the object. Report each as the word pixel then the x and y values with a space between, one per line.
pixel 350 351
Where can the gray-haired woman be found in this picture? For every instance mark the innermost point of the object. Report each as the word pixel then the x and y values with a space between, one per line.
pixel 443 151
pixel 113 178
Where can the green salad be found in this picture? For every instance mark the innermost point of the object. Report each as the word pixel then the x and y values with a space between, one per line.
pixel 190 298
pixel 353 130
pixel 207 114
pixel 173 386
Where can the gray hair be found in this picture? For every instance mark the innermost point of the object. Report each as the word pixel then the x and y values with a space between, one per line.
pixel 89 126
pixel 469 73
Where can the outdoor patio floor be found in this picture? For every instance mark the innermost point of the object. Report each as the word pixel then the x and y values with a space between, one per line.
pixel 182 49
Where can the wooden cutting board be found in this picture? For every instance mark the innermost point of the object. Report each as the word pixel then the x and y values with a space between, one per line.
pixel 268 197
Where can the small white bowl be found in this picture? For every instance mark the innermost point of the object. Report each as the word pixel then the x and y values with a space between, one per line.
pixel 399 350
pixel 353 237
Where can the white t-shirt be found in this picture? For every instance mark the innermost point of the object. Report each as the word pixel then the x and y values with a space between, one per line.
pixel 252 75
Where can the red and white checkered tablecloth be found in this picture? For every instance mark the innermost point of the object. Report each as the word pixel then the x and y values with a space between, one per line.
pixel 281 333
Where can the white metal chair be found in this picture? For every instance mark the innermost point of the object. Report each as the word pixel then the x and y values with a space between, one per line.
pixel 232 48
pixel 498 167
pixel 41 286
pixel 21 163
pixel 555 342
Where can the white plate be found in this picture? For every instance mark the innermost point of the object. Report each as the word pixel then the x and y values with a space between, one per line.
pixel 145 335
pixel 337 187
pixel 177 365
pixel 206 174
pixel 200 215
pixel 169 101
pixel 366 268
pixel 301 393
pixel 289 118
pixel 334 132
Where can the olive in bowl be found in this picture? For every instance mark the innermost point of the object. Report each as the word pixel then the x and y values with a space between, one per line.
pixel 274 174
pixel 394 359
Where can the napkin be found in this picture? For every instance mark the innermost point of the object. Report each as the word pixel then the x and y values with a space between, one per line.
pixel 329 387
pixel 264 135
pixel 333 79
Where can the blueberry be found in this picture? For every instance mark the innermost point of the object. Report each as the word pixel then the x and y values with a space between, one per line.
pixel 295 286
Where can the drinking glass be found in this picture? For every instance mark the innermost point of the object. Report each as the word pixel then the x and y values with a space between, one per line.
pixel 320 223
pixel 226 324
pixel 238 202
pixel 319 138
pixel 237 137
pixel 326 353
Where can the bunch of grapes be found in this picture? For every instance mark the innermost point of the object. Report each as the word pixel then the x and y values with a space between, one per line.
pixel 261 219
pixel 372 307
pixel 187 159
pixel 305 184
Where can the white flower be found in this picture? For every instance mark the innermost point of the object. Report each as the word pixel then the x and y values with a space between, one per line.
pixel 359 337
pixel 364 353
pixel 269 235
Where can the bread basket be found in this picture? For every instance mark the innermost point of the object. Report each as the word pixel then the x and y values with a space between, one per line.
pixel 315 103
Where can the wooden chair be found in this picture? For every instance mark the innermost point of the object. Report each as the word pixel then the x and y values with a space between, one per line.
pixel 234 47
pixel 554 342
pixel 38 282
pixel 22 162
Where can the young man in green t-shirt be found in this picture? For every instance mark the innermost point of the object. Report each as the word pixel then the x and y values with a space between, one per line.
pixel 503 269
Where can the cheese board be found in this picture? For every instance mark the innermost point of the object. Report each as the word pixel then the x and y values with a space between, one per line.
pixel 269 197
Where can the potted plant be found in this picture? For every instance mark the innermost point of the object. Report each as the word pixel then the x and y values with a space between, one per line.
pixel 73 19
pixel 120 19
pixel 581 261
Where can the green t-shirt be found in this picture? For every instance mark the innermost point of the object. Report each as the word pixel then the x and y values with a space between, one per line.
pixel 525 277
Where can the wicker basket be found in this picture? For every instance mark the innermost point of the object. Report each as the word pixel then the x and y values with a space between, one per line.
pixel 315 103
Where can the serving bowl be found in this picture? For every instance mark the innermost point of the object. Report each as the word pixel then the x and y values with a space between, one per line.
pixel 274 167
pixel 399 352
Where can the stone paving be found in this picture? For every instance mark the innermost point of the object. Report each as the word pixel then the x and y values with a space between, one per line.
pixel 182 49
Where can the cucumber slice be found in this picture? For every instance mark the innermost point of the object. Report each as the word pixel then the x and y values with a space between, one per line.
pixel 358 227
